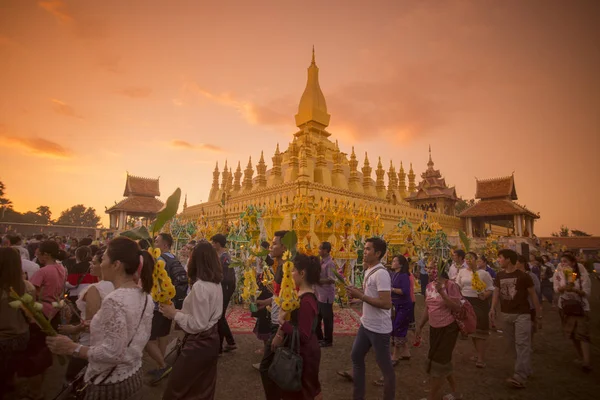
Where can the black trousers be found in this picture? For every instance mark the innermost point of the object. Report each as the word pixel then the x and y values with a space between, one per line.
pixel 223 326
pixel 272 391
pixel 326 317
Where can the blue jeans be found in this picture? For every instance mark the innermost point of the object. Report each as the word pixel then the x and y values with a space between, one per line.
pixel 365 339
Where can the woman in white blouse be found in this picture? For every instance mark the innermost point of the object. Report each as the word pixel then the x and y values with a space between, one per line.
pixel 480 302
pixel 194 374
pixel 574 306
pixel 121 327
pixel 88 303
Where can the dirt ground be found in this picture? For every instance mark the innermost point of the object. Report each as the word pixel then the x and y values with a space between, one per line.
pixel 555 374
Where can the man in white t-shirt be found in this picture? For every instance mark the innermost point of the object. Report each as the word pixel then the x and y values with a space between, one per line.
pixel 458 263
pixel 376 321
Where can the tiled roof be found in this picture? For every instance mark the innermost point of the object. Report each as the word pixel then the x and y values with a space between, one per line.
pixel 432 193
pixel 499 207
pixel 136 185
pixel 575 242
pixel 496 188
pixel 138 204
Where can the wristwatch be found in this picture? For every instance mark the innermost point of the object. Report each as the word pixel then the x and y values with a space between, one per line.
pixel 77 350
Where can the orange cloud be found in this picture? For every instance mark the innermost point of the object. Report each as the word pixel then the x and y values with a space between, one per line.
pixel 390 109
pixel 58 9
pixel 63 108
pixel 37 146
pixel 135 92
pixel 182 144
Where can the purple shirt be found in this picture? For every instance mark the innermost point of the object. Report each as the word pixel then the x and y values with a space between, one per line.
pixel 326 293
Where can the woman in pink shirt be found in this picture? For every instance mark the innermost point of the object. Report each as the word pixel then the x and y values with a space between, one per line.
pixel 442 297
pixel 49 282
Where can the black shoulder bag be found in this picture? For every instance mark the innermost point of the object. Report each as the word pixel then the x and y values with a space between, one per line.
pixel 286 368
pixel 77 388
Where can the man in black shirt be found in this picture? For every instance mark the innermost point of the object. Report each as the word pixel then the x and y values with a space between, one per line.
pixel 219 242
pixel 514 288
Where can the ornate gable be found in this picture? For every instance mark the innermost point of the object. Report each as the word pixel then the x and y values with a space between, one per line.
pixel 496 188
pixel 138 186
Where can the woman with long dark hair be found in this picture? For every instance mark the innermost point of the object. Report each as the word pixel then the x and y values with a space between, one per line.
pixel 403 308
pixel 194 374
pixel 442 298
pixel 88 303
pixel 479 299
pixel 306 274
pixel 120 329
pixel 573 285
pixel 14 328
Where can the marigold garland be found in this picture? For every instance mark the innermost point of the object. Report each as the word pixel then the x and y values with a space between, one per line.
pixel 162 289
pixel 288 297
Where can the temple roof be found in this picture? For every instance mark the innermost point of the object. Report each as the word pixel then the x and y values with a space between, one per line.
pixel 496 207
pixel 432 185
pixel 312 105
pixel 138 204
pixel 138 186
pixel 496 188
pixel 575 242
pixel 424 192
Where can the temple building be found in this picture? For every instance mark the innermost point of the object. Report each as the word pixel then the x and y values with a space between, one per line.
pixel 140 202
pixel 497 206
pixel 433 194
pixel 315 169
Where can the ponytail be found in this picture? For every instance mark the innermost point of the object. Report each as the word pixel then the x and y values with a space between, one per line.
pixel 146 272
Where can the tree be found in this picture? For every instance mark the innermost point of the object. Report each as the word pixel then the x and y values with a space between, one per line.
pixel 462 204
pixel 45 215
pixel 577 232
pixel 78 215
pixel 563 232
pixel 4 202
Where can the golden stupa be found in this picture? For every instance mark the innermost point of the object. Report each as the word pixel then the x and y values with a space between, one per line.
pixel 314 187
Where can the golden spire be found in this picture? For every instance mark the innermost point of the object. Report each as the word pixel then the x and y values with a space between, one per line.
pixel 261 169
pixel 366 170
pixel 392 182
pixel 225 178
pixel 380 182
pixel 214 190
pixel 248 176
pixel 238 175
pixel 401 179
pixel 312 107
pixel 275 175
pixel 354 181
pixel 430 163
pixel 185 202
pixel 411 180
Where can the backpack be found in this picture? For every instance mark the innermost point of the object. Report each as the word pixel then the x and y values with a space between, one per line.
pixel 179 278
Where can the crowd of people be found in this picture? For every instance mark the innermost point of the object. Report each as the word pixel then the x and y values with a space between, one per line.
pixel 111 319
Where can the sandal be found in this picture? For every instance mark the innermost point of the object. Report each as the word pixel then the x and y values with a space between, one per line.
pixel 452 396
pixel 480 364
pixel 379 382
pixel 515 383
pixel 346 375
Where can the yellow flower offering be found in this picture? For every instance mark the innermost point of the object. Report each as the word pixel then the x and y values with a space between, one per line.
pixel 288 297
pixel 477 284
pixel 162 289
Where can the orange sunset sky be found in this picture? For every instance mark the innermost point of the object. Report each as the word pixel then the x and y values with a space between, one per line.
pixel 92 89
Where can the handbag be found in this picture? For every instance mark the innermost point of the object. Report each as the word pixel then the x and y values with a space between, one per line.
pixel 77 388
pixel 286 368
pixel 465 318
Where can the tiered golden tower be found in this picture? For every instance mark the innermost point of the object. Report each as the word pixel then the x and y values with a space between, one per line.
pixel 314 169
